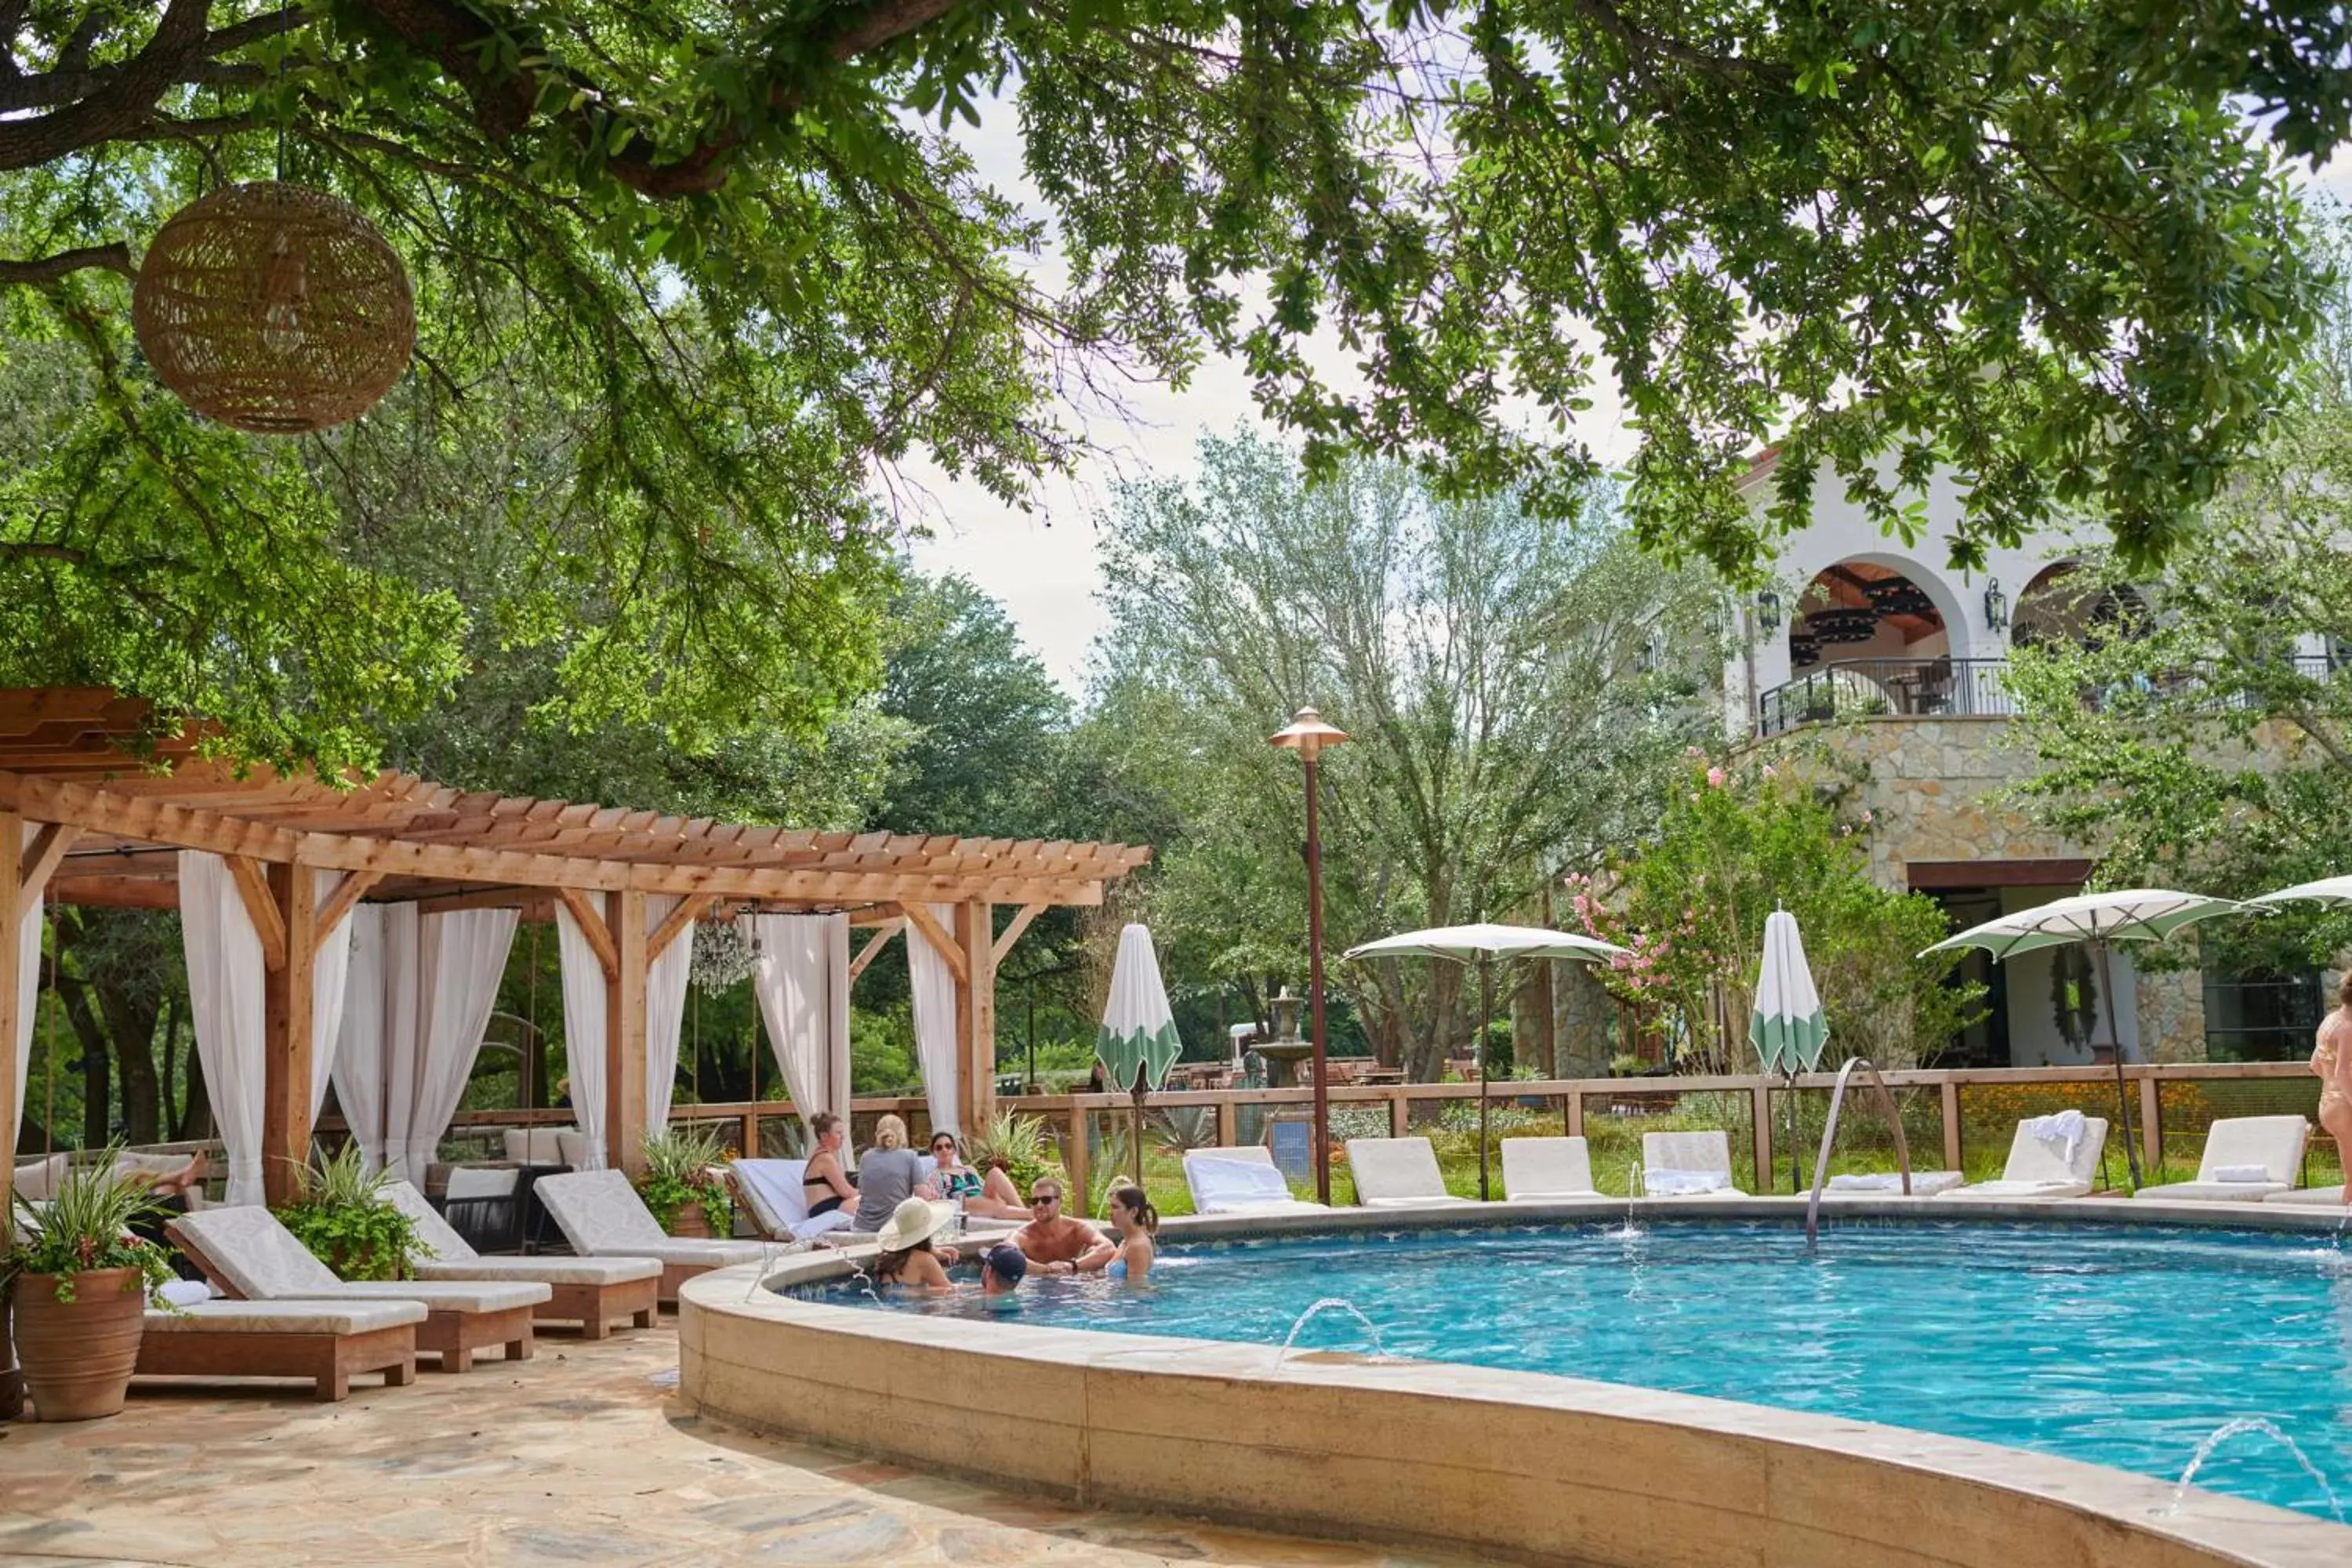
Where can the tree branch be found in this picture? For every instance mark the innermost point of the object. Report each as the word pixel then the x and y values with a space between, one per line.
pixel 114 258
pixel 126 97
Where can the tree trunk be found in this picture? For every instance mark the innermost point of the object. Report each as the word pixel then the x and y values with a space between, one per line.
pixel 130 1019
pixel 196 1121
pixel 170 1094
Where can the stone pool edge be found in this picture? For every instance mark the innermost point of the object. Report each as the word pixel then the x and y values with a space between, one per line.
pixel 1533 1466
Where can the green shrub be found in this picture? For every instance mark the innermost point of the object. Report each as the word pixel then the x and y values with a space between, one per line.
pixel 678 1163
pixel 1023 1143
pixel 86 1225
pixel 340 1211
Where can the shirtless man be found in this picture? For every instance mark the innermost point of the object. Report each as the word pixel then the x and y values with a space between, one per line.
pixel 2331 1059
pixel 1052 1239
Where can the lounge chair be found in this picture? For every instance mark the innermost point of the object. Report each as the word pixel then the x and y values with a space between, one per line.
pixel 323 1342
pixel 2311 1197
pixel 2044 1164
pixel 602 1216
pixel 1241 1180
pixel 591 1291
pixel 247 1255
pixel 2247 1159
pixel 1541 1169
pixel 1889 1183
pixel 774 1197
pixel 1397 1172
pixel 1687 1165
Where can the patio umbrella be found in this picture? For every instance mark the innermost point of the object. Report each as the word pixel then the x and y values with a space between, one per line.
pixel 1787 1025
pixel 2326 891
pixel 2134 914
pixel 1483 943
pixel 1138 1041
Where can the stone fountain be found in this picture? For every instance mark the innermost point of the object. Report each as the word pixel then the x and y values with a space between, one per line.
pixel 1285 1050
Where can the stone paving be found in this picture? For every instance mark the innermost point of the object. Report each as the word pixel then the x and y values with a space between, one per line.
pixel 579 1455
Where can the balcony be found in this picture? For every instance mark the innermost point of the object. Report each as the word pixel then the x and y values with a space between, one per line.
pixel 1887 688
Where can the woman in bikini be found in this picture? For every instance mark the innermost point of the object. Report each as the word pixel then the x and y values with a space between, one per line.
pixel 2331 1059
pixel 824 1184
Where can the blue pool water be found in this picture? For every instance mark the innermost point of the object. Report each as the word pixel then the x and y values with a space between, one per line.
pixel 2119 1346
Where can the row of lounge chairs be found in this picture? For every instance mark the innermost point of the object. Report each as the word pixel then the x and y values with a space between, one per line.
pixel 2251 1158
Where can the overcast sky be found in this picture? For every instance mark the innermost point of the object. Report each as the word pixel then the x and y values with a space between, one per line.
pixel 1043 564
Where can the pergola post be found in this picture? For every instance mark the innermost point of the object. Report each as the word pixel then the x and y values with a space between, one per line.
pixel 976 1014
pixel 286 1031
pixel 12 928
pixel 625 1034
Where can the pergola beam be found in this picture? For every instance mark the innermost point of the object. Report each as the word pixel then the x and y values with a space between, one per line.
pixel 944 943
pixel 42 857
pixel 268 924
pixel 873 946
pixel 592 927
pixel 1013 929
pixel 689 911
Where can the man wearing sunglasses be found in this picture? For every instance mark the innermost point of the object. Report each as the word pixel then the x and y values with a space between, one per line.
pixel 1052 1239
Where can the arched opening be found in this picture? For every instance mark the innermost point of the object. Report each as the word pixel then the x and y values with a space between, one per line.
pixel 2060 606
pixel 1870 638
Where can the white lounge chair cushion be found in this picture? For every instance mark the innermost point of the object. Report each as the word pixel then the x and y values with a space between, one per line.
pixel 262 1261
pixel 1541 1169
pixel 2009 1190
pixel 1394 1171
pixel 1924 1184
pixel 2310 1197
pixel 452 1295
pixel 451 1258
pixel 286 1317
pixel 1670 1182
pixel 602 1216
pixel 2213 1191
pixel 1704 1153
pixel 1218 1182
pixel 2272 1143
pixel 779 1199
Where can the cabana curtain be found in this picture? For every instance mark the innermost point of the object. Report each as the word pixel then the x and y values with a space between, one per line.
pixel 359 1064
pixel 934 986
pixel 28 995
pixel 420 991
pixel 583 1023
pixel 330 974
pixel 666 980
pixel 802 979
pixel 225 979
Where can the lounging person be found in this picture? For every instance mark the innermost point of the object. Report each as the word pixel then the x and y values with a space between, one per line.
pixel 1052 1239
pixel 989 1196
pixel 890 1174
pixel 168 1192
pixel 1001 1269
pixel 2331 1059
pixel 828 1186
pixel 1127 1253
pixel 997 1189
pixel 909 1257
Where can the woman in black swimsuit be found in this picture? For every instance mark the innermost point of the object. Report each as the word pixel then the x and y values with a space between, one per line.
pixel 824 1184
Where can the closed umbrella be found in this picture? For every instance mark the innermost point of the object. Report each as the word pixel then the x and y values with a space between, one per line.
pixel 2134 914
pixel 1483 943
pixel 1787 1027
pixel 1138 1041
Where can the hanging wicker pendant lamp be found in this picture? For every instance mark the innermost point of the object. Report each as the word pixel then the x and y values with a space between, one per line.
pixel 274 308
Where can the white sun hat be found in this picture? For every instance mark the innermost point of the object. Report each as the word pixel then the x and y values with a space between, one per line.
pixel 912 1222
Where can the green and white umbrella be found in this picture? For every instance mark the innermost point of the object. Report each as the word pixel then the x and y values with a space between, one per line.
pixel 2333 891
pixel 1786 1025
pixel 1138 1041
pixel 2132 914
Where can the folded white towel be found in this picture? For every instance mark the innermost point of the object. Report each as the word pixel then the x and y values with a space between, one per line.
pixel 184 1292
pixel 1665 1183
pixel 2241 1173
pixel 1867 1183
pixel 1217 1182
pixel 2064 1129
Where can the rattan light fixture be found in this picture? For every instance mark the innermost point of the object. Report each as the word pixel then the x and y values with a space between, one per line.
pixel 274 308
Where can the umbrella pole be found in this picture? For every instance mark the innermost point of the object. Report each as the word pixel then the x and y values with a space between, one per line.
pixel 2123 1095
pixel 1141 1090
pixel 1486 1018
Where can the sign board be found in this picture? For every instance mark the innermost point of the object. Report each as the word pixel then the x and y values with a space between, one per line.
pixel 1293 1141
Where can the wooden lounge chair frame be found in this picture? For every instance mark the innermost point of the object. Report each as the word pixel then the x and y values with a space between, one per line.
pixel 328 1361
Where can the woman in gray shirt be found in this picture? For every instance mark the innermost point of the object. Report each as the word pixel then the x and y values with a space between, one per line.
pixel 890 1174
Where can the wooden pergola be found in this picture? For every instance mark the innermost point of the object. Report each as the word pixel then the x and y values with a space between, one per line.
pixel 112 804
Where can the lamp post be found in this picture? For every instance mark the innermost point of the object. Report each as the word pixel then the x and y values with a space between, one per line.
pixel 1308 735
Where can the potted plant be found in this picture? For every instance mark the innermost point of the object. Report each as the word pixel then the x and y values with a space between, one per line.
pixel 680 1188
pixel 81 1282
pixel 340 1211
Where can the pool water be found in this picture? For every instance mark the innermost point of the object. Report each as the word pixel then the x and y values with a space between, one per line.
pixel 2120 1346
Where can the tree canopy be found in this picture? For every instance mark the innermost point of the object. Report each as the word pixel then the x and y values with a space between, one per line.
pixel 2044 243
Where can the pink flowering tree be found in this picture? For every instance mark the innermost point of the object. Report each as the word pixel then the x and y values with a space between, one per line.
pixel 1734 843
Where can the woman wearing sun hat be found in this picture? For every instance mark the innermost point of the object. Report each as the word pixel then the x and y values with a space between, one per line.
pixel 908 1256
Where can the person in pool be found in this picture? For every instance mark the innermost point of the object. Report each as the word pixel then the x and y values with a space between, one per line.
pixel 1001 1269
pixel 1052 1240
pixel 909 1257
pixel 1127 1253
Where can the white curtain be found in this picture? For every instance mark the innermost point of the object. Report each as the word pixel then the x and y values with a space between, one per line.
pixel 360 1060
pixel 934 986
pixel 460 958
pixel 330 975
pixel 584 1034
pixel 802 980
pixel 28 996
pixel 225 980
pixel 666 979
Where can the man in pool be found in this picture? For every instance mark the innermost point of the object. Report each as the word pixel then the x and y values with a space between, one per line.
pixel 1001 1269
pixel 1052 1239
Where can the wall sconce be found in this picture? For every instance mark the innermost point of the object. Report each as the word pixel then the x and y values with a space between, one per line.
pixel 1768 610
pixel 1996 605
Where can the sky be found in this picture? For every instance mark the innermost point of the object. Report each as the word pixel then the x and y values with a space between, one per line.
pixel 1044 565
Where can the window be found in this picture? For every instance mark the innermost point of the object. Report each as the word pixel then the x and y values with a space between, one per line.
pixel 2260 1015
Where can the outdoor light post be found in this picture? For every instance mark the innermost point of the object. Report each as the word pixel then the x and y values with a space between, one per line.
pixel 1308 735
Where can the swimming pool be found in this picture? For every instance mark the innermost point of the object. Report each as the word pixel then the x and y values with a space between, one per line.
pixel 2120 1346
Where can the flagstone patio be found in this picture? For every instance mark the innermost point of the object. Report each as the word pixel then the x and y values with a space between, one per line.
pixel 581 1455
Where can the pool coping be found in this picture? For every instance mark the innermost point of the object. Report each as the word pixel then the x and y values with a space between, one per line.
pixel 1533 1466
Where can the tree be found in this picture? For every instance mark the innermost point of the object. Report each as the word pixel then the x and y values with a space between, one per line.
pixel 2042 244
pixel 1504 678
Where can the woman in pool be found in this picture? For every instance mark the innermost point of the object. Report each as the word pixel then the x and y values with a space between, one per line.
pixel 1128 1252
pixel 908 1258
pixel 824 1184
pixel 2331 1059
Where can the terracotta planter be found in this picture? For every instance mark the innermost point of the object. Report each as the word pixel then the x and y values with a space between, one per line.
pixel 78 1354
pixel 690 1220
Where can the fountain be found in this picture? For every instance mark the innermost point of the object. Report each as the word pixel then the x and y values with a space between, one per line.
pixel 1283 1053
pixel 1332 1304
pixel 2235 1427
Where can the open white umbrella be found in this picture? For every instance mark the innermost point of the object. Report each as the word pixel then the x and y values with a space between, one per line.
pixel 2326 891
pixel 1787 1025
pixel 1138 1041
pixel 1482 944
pixel 2134 914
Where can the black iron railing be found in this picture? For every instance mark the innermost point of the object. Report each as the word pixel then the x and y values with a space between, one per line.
pixel 1888 688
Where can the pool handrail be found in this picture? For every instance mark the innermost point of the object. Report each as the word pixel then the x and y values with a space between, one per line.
pixel 1829 1136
